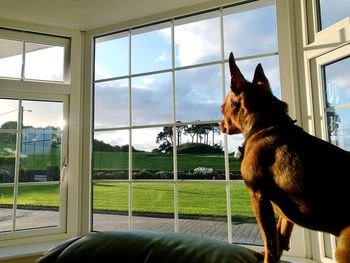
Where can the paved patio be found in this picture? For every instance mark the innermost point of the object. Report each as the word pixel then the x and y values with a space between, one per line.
pixel 242 233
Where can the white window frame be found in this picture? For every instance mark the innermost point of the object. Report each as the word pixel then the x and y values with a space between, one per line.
pixel 300 240
pixel 317 48
pixel 69 92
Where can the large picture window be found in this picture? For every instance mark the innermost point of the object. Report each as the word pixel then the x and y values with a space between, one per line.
pixel 159 161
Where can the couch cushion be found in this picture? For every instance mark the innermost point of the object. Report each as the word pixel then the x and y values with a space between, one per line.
pixel 141 246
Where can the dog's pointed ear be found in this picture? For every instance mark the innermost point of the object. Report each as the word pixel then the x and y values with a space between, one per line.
pixel 237 79
pixel 260 78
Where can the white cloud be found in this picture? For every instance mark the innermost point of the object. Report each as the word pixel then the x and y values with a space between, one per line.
pixel 164 56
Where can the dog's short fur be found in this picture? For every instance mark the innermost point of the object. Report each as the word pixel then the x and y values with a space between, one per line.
pixel 304 179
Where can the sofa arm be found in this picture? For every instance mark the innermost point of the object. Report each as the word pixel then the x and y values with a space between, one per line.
pixel 141 246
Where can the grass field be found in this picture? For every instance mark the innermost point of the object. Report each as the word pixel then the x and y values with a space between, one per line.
pixel 160 161
pixel 194 199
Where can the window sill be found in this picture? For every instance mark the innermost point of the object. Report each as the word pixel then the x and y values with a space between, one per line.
pixel 30 250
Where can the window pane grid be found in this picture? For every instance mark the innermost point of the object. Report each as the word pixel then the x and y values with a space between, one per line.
pixel 172 136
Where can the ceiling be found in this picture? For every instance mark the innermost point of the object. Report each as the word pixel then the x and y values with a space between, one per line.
pixel 86 14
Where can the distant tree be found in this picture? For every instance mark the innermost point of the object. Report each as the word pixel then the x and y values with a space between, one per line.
pixel 8 138
pixel 165 139
pixel 179 130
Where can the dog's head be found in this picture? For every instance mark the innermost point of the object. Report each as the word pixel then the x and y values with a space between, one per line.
pixel 248 102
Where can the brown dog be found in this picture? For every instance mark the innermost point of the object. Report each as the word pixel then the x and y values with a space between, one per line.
pixel 304 179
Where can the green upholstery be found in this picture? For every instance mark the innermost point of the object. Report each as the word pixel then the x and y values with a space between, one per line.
pixel 138 246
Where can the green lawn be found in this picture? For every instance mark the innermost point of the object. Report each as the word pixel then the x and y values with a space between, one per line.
pixel 201 199
pixel 160 161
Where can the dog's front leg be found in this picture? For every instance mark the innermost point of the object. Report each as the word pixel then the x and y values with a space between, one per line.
pixel 265 217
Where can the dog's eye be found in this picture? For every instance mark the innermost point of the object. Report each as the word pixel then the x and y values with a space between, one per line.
pixel 235 104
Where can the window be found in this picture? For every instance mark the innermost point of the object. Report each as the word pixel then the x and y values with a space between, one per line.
pixel 24 59
pixel 327 86
pixel 33 134
pixel 159 161
pixel 332 11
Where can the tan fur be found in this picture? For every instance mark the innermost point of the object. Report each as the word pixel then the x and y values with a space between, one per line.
pixel 304 179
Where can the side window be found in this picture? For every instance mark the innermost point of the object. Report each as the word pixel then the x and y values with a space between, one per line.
pixel 34 95
pixel 337 102
pixel 30 163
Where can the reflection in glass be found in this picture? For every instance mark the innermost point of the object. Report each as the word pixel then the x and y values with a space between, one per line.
pixel 42 114
pixel 44 62
pixel 10 58
pixel 153 206
pixel 339 127
pixel 199 41
pixel 111 56
pixel 152 99
pixel 7 157
pixel 40 155
pixel 243 29
pixel 151 50
pixel 332 11
pixel 111 100
pixel 8 114
pixel 110 206
pixel 337 82
pixel 202 210
pixel 6 205
pixel 37 206
pixel 110 155
pixel 152 154
pixel 198 94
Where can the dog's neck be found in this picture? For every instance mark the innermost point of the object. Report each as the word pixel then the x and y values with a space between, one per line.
pixel 258 126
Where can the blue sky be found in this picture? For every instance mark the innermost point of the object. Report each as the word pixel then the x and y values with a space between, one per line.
pixel 198 91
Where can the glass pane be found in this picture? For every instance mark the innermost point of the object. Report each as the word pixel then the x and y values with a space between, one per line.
pixel 111 104
pixel 337 79
pixel 8 114
pixel 234 141
pixel 153 206
pixel 337 82
pixel 245 230
pixel 152 100
pixel 243 29
pixel 150 159
pixel 6 211
pixel 111 56
pixel 197 39
pixel 332 11
pixel 247 67
pixel 40 155
pixel 7 157
pixel 200 152
pixel 339 127
pixel 151 51
pixel 110 206
pixel 37 206
pixel 44 62
pixel 202 210
pixel 40 115
pixel 110 155
pixel 198 94
pixel 10 58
